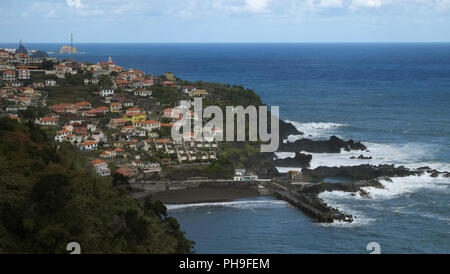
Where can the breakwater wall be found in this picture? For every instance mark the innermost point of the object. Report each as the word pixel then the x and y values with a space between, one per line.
pixel 310 204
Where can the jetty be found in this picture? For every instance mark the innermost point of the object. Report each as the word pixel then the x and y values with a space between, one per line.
pixel 300 193
pixel 297 195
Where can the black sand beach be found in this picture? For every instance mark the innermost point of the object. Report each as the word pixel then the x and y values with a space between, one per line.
pixel 203 195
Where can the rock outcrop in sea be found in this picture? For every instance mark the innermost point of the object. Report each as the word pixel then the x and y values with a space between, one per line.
pixel 300 160
pixel 333 145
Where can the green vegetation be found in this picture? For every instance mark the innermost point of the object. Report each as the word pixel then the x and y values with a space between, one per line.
pixel 72 94
pixel 48 199
pixel 220 169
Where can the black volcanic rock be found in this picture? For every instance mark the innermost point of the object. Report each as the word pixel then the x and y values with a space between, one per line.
pixel 362 157
pixel 333 145
pixel 361 172
pixel 287 129
pixel 300 160
pixel 346 187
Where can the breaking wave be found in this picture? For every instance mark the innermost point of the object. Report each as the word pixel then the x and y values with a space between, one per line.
pixel 247 204
pixel 314 130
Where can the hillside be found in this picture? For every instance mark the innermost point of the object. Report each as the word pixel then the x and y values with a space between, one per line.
pixel 48 199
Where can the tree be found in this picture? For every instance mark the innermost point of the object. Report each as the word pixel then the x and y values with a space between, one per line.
pixel 50 195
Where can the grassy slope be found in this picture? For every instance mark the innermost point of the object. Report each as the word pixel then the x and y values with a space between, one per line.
pixel 48 199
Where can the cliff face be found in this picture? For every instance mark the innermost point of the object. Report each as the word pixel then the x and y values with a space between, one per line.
pixel 48 199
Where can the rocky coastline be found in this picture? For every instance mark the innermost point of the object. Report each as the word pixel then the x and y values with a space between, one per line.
pixel 358 177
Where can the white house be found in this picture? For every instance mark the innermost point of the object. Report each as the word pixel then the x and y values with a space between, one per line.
pixel 47 121
pixel 61 135
pixel 50 83
pixel 143 93
pixel 89 145
pixel 106 92
pixel 147 125
pixel 101 167
pixel 24 74
pixel 9 76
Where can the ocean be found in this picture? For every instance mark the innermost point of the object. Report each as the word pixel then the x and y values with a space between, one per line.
pixel 394 98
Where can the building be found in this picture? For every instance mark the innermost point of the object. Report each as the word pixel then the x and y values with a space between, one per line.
pixel 24 74
pixel 147 125
pixel 115 107
pixel 198 93
pixel 293 174
pixel 242 175
pixel 118 122
pixel 106 92
pixel 101 167
pixel 128 172
pixel 135 116
pixel 143 93
pixel 9 76
pixel 83 105
pixel 50 83
pixel 63 135
pixel 189 89
pixel 89 145
pixel 47 121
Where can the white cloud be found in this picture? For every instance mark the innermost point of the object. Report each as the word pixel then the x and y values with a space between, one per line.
pixel 74 3
pixel 257 5
pixel 330 3
pixel 252 6
pixel 443 5
pixel 367 3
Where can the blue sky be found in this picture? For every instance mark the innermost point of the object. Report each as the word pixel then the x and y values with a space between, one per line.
pixel 226 20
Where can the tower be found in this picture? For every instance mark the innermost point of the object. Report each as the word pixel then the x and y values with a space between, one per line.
pixel 71 43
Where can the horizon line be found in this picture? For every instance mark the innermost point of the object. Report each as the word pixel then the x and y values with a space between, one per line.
pixel 312 42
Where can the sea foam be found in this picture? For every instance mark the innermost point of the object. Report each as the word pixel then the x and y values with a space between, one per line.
pixel 245 204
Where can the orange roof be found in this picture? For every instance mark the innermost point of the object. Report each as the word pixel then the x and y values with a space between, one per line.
pixel 88 143
pixel 133 109
pixel 64 131
pixel 162 140
pixel 97 162
pixel 83 103
pixel 49 119
pixel 167 125
pixel 148 122
pixel 119 120
pixel 118 149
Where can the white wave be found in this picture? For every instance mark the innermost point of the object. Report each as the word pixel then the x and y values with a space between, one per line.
pixel 284 155
pixel 405 185
pixel 410 155
pixel 287 169
pixel 401 186
pixel 334 199
pixel 314 130
pixel 398 187
pixel 248 204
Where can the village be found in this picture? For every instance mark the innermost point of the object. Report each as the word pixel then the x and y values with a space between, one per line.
pixel 108 112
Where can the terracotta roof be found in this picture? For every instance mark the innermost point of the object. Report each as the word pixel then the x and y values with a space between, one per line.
pixel 148 122
pixel 88 143
pixel 97 162
pixel 48 119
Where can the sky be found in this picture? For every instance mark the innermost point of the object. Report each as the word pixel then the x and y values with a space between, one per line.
pixel 228 21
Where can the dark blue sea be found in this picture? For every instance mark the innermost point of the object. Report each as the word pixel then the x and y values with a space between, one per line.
pixel 393 97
